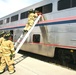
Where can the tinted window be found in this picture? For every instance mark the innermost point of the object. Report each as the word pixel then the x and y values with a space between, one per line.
pixel 73 3
pixel 47 8
pixel 63 4
pixel 36 38
pixel 1 22
pixel 24 15
pixel 14 18
pixel 39 9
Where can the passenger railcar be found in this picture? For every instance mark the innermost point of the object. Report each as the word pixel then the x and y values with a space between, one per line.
pixel 54 37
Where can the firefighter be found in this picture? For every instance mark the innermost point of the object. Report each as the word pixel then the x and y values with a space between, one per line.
pixel 42 18
pixel 2 34
pixel 7 55
pixel 31 18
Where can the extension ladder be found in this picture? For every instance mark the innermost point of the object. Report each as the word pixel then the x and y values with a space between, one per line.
pixel 20 42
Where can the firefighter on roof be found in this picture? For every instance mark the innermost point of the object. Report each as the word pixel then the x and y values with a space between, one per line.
pixel 31 18
pixel 7 55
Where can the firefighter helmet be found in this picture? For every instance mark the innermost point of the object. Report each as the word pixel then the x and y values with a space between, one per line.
pixel 36 11
pixel 2 33
pixel 7 35
pixel 31 11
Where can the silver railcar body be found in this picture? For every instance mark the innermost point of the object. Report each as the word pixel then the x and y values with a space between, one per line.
pixel 57 31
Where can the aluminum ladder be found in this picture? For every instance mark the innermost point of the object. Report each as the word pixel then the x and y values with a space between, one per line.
pixel 20 42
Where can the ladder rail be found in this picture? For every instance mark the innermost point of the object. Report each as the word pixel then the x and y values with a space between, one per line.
pixel 27 34
pixel 18 40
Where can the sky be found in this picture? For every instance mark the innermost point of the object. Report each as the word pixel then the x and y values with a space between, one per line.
pixel 10 6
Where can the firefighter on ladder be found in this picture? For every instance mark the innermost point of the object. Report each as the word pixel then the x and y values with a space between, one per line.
pixel 7 55
pixel 31 18
pixel 42 18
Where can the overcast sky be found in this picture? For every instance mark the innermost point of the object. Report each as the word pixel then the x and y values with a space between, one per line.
pixel 9 6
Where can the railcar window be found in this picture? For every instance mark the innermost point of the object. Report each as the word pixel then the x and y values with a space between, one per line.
pixel 63 4
pixel 36 38
pixel 47 8
pixel 39 9
pixel 73 3
pixel 14 18
pixel 1 22
pixel 7 20
pixel 24 15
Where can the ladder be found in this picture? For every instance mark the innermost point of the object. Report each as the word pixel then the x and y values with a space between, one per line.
pixel 24 37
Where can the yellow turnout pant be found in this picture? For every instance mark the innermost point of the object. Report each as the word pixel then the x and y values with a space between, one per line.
pixel 5 60
pixel 29 25
pixel 0 51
